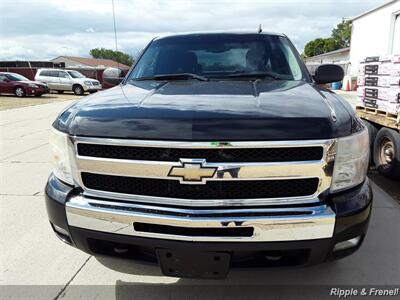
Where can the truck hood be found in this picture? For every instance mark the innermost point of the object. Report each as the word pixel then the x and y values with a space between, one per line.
pixel 210 110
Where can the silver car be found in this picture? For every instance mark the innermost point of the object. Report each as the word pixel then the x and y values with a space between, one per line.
pixel 67 80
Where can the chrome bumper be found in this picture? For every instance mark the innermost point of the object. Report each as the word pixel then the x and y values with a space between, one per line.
pixel 269 224
pixel 92 87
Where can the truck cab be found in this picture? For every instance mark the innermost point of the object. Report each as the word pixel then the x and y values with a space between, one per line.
pixel 216 151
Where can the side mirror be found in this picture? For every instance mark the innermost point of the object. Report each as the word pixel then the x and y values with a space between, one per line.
pixel 328 73
pixel 113 76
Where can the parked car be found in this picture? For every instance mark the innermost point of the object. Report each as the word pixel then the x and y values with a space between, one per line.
pixel 20 86
pixel 216 151
pixel 67 80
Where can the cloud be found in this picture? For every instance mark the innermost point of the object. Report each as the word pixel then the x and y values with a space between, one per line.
pixel 44 29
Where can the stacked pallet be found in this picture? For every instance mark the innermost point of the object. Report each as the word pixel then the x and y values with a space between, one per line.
pixel 378 83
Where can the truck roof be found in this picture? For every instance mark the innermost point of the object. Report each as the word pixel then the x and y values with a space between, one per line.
pixel 217 33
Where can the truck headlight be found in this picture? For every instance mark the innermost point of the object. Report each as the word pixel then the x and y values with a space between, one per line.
pixel 59 148
pixel 351 161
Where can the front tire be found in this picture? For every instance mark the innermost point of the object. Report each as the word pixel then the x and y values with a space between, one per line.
pixel 19 91
pixel 78 90
pixel 387 152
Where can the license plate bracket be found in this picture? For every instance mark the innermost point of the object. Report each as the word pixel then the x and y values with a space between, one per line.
pixel 193 264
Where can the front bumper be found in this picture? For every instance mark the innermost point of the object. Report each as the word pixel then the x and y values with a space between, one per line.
pixel 37 91
pixel 91 88
pixel 200 225
pixel 307 232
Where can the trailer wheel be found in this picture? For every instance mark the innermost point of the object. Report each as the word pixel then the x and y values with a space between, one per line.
pixel 386 152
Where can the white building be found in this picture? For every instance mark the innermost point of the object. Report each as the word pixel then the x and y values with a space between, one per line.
pixel 338 57
pixel 374 33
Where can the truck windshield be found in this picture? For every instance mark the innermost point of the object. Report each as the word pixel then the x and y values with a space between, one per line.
pixel 232 56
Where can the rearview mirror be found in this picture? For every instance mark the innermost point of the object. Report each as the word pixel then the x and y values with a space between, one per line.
pixel 113 76
pixel 328 73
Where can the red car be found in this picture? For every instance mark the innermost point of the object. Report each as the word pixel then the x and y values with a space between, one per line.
pixel 20 86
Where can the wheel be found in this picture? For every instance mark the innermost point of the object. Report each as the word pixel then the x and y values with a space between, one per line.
pixel 19 91
pixel 78 90
pixel 60 92
pixel 386 152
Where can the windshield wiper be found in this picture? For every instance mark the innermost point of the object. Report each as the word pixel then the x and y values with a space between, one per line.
pixel 255 75
pixel 178 76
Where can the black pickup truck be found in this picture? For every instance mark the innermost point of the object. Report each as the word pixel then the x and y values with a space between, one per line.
pixel 216 151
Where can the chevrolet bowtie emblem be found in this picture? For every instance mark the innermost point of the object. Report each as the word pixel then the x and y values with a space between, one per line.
pixel 192 171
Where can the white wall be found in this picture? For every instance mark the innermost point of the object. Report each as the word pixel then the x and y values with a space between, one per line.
pixel 328 59
pixel 341 59
pixel 373 34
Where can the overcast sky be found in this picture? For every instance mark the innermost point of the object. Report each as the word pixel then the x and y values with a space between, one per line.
pixel 44 29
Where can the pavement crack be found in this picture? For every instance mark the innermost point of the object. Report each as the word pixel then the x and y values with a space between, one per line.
pixel 60 293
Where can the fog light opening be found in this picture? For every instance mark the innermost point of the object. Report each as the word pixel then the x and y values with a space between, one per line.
pixel 62 234
pixel 352 243
pixel 273 255
pixel 120 249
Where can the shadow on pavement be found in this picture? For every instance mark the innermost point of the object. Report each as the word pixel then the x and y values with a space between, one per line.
pixel 240 284
pixel 211 291
pixel 392 187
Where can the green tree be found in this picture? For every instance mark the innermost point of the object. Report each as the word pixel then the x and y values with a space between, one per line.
pixel 117 56
pixel 315 47
pixel 340 38
pixel 330 44
pixel 342 33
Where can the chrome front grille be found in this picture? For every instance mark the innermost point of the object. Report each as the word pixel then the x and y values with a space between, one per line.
pixel 221 189
pixel 210 154
pixel 231 173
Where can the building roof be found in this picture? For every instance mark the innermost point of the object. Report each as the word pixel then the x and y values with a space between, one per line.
pixel 342 50
pixel 374 9
pixel 94 62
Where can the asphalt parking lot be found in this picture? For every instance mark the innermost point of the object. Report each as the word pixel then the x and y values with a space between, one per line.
pixel 30 254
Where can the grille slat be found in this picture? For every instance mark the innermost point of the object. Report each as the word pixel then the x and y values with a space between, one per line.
pixel 218 189
pixel 211 155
